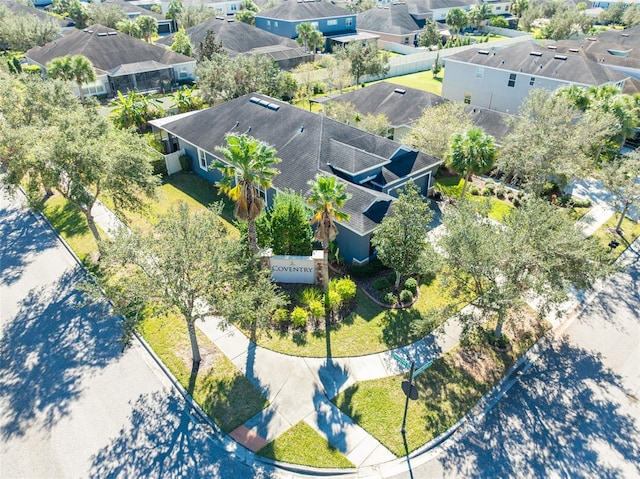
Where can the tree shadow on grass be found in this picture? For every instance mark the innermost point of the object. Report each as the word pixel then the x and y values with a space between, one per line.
pixel 567 417
pixel 21 239
pixel 396 327
pixel 68 220
pixel 46 350
pixel 163 439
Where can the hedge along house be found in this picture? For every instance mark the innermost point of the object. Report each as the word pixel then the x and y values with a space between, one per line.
pixel 374 168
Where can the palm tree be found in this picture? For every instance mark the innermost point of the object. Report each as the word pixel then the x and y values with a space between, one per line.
pixel 479 13
pixel 327 196
pixel 148 26
pixel 518 7
pixel 77 68
pixel 316 40
pixel 457 19
pixel 129 27
pixel 471 152
pixel 248 166
pixel 304 31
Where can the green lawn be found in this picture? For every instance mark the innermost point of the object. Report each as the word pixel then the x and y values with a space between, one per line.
pixel 452 186
pixel 604 234
pixel 302 445
pixel 421 80
pixel 224 393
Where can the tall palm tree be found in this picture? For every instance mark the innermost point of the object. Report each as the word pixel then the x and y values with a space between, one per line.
pixel 316 40
pixel 304 31
pixel 471 152
pixel 148 26
pixel 518 7
pixel 479 13
pixel 76 68
pixel 249 166
pixel 129 27
pixel 328 195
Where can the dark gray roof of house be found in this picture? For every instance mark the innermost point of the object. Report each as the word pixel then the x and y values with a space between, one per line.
pixel 128 7
pixel 392 18
pixel 494 123
pixel 424 6
pixel 20 9
pixel 306 142
pixel 544 62
pixel 106 49
pixel 293 10
pixel 401 105
pixel 236 37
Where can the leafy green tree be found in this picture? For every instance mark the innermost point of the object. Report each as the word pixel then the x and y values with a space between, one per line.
pixel 479 14
pixel 105 14
pixel 182 43
pixel 155 8
pixel 328 195
pixel 186 99
pixel 437 66
pixel 246 16
pixel 344 112
pixel 457 19
pixel 471 153
pixel 364 59
pixel 401 240
pixel 431 133
pixel 498 21
pixel 129 27
pixel 429 36
pixel 631 16
pixel 559 133
pixel 148 27
pixel 191 16
pixel 174 9
pixel 304 31
pixel 306 79
pixel 249 165
pixel 182 265
pixel 135 110
pixel 536 252
pixel 622 178
pixel 377 124
pixel 249 5
pixel 22 32
pixel 77 68
pixel 614 13
pixel 517 7
pixel 287 85
pixel 78 13
pixel 291 232
pixel 209 48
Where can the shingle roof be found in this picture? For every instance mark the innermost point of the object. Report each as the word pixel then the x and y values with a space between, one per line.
pixel 492 122
pixel 304 10
pixel 128 7
pixel 543 63
pixel 392 18
pixel 106 49
pixel 236 37
pixel 306 142
pixel 20 9
pixel 424 6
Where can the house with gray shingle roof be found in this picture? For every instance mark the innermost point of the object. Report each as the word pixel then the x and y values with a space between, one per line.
pixel 133 11
pixel 121 63
pixel 330 19
pixel 374 168
pixel 391 22
pixel 239 38
pixel 499 79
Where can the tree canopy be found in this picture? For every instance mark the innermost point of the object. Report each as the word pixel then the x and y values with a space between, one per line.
pixel 364 59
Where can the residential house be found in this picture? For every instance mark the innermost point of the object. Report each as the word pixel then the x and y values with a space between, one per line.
pixel 24 10
pixel 499 79
pixel 239 38
pixel 165 25
pixel 121 63
pixel 390 22
pixel 403 106
pixel 374 168
pixel 329 19
pixel 437 10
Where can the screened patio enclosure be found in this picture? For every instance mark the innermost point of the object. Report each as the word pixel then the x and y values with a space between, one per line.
pixel 141 76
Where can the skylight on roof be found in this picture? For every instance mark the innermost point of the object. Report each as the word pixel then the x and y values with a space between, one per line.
pixel 574 50
pixel 536 54
pixel 552 47
pixel 402 91
pixel 560 57
pixel 483 52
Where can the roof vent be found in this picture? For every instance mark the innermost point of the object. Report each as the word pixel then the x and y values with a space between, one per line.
pixel 624 34
pixel 90 32
pixel 574 50
pixel 535 54
pixel 301 128
pixel 248 130
pixel 237 123
pixel 560 57
pixel 219 18
pixel 402 91
pixel 592 39
pixel 102 34
pixel 483 52
pixel 113 34
pixel 552 47
pixel 230 20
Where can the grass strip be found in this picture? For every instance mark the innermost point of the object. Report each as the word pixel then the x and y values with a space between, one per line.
pixel 301 444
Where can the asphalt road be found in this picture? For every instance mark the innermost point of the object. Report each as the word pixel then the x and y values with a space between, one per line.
pixel 71 403
pixel 574 413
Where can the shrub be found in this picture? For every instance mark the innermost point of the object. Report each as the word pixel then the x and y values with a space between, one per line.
pixel 411 285
pixel 490 186
pixel 308 295
pixel 345 287
pixel 510 196
pixel 520 194
pixel 474 190
pixel 516 201
pixel 280 316
pixel 500 191
pixel 581 203
pixel 316 308
pixel 185 162
pixel 406 296
pixel 299 317
pixel 389 298
pixel 487 192
pixel 364 271
pixel 334 300
pixel 380 284
pixel 391 277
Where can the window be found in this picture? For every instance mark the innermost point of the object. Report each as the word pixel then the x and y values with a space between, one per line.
pixel 349 22
pixel 498 7
pixel 406 40
pixel 202 159
pixel 275 25
pixel 467 98
pixel 479 72
pixel 314 24
pixel 332 23
pixel 532 81
pixel 182 75
pixel 234 7
pixel 268 23
pixel 512 80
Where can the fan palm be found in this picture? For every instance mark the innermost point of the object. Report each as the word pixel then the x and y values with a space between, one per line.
pixel 471 152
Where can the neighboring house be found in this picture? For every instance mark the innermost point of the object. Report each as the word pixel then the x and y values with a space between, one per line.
pixel 22 9
pixel 403 106
pixel 391 22
pixel 122 63
pixel 222 7
pixel 501 79
pixel 422 10
pixel 329 19
pixel 239 38
pixel 308 144
pixel 607 4
pixel 165 26
pixel 616 49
